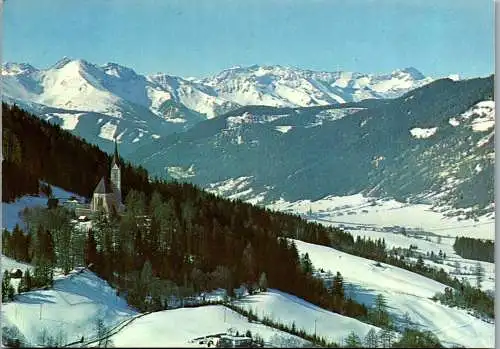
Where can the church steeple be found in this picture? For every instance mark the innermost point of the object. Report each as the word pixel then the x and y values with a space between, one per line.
pixel 116 180
pixel 116 157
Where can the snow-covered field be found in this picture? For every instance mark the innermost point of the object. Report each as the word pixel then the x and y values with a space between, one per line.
pixel 467 266
pixel 9 264
pixel 357 209
pixel 287 309
pixel 178 328
pixel 69 310
pixel 11 210
pixel 405 292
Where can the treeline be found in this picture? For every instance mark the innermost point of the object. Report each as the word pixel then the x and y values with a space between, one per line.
pixel 468 297
pixel 478 249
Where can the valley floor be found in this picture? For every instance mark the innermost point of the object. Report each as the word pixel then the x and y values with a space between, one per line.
pixel 371 213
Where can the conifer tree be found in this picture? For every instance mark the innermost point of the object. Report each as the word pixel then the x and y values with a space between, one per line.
pixel 305 261
pixel 7 288
pixel 352 340
pixel 25 284
pixel 381 314
pixel 371 339
pixel 479 272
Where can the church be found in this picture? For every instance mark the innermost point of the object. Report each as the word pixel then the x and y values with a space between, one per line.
pixel 107 195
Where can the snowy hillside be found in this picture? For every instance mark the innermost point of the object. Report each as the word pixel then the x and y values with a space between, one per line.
pixel 405 292
pixel 285 308
pixel 179 327
pixel 11 210
pixel 402 225
pixel 68 311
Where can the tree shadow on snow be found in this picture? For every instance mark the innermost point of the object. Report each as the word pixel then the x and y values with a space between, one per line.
pixel 363 295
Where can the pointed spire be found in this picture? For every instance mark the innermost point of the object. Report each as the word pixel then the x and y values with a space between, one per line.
pixel 116 157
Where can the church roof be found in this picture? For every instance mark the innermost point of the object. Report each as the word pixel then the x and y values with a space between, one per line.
pixel 103 187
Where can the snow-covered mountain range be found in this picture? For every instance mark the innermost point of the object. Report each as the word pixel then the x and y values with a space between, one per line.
pixel 99 102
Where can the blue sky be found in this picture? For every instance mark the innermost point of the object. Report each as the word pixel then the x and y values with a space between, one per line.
pixel 202 37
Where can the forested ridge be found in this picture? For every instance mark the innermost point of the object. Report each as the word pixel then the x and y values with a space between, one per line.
pixel 34 150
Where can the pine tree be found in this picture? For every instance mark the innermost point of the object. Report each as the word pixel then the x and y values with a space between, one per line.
pixel 381 315
pixel 100 331
pixel 420 263
pixel 44 258
pixel 417 339
pixel 338 291
pixel 7 288
pixel 371 339
pixel 386 337
pixel 479 272
pixel 352 341
pixel 306 264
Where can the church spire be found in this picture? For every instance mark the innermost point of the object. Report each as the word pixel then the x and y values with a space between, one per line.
pixel 116 157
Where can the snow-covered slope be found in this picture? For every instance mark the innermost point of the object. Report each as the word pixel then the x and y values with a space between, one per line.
pixel 405 292
pixel 68 311
pixel 11 210
pixel 178 328
pixel 288 309
pixel 291 87
pixel 9 264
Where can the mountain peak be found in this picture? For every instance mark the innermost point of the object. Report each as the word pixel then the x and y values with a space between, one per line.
pixel 412 72
pixel 62 62
pixel 10 68
pixel 118 70
pixel 68 60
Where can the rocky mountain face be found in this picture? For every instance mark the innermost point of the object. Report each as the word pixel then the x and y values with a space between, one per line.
pixel 99 102
pixel 434 144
